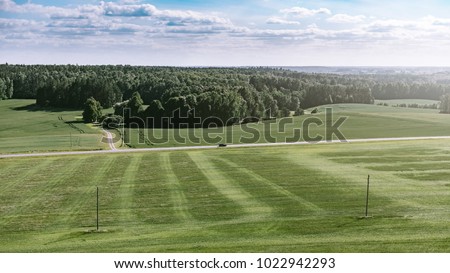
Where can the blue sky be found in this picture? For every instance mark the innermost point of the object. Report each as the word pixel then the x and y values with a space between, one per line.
pixel 226 33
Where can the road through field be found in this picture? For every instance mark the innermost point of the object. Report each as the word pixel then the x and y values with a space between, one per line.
pixel 110 139
pixel 114 150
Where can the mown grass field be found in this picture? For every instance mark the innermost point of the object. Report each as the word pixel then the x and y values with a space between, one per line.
pixel 363 121
pixel 27 128
pixel 273 199
pixel 407 101
pixel 307 198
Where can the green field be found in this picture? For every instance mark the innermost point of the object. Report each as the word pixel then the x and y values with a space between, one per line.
pixel 305 198
pixel 408 101
pixel 273 199
pixel 43 130
pixel 363 121
pixel 27 128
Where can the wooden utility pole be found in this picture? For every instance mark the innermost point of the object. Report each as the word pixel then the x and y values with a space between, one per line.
pixel 97 208
pixel 367 195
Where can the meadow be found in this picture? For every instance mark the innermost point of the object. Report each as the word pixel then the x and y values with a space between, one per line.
pixel 396 102
pixel 304 198
pixel 272 199
pixel 361 121
pixel 26 127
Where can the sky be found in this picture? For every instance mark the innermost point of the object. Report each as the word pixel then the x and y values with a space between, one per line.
pixel 226 32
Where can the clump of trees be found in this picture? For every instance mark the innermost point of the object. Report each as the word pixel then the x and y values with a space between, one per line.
pixel 6 88
pixel 445 104
pixel 111 121
pixel 416 105
pixel 92 110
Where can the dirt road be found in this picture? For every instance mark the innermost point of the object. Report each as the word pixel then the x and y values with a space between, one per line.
pixel 114 150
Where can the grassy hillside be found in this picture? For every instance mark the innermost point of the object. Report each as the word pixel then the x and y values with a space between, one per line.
pixel 277 199
pixel 362 121
pixel 407 101
pixel 27 128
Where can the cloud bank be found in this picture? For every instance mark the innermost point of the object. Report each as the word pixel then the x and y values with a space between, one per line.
pixel 291 35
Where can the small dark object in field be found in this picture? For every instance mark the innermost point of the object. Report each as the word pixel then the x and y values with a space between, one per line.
pixel 222 145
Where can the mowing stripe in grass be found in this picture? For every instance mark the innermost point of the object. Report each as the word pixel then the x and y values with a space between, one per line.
pixel 249 204
pixel 306 204
pixel 24 173
pixel 25 176
pixel 304 171
pixel 416 118
pixel 11 175
pixel 99 178
pixel 353 179
pixel 126 190
pixel 322 189
pixel 151 193
pixel 85 199
pixel 180 204
pixel 390 195
pixel 20 185
pixel 401 167
pixel 205 201
pixel 5 167
pixel 41 197
pixel 53 198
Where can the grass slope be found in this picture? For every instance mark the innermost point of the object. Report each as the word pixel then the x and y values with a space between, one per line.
pixel 26 128
pixel 48 130
pixel 272 199
pixel 362 121
pixel 408 101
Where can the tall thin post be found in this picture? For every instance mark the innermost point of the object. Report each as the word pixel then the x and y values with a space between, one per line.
pixel 367 195
pixel 97 208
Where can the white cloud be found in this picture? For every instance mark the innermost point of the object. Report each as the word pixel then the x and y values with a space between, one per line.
pixel 133 24
pixel 345 18
pixel 114 9
pixel 437 21
pixel 130 1
pixel 7 5
pixel 174 17
pixel 14 23
pixel 109 23
pixel 190 17
pixel 304 12
pixel 281 21
pixel 148 23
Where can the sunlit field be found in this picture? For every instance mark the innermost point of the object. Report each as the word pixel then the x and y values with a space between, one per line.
pixel 273 199
pixel 28 128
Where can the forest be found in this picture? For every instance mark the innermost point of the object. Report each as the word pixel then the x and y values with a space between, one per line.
pixel 225 93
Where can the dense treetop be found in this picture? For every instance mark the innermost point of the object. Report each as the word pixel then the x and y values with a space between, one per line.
pixel 221 92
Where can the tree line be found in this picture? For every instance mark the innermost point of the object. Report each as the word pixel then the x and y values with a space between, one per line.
pixel 6 88
pixel 225 93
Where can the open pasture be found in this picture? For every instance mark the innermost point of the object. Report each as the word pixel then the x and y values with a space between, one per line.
pixel 272 199
pixel 28 128
pixel 25 128
pixel 362 121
